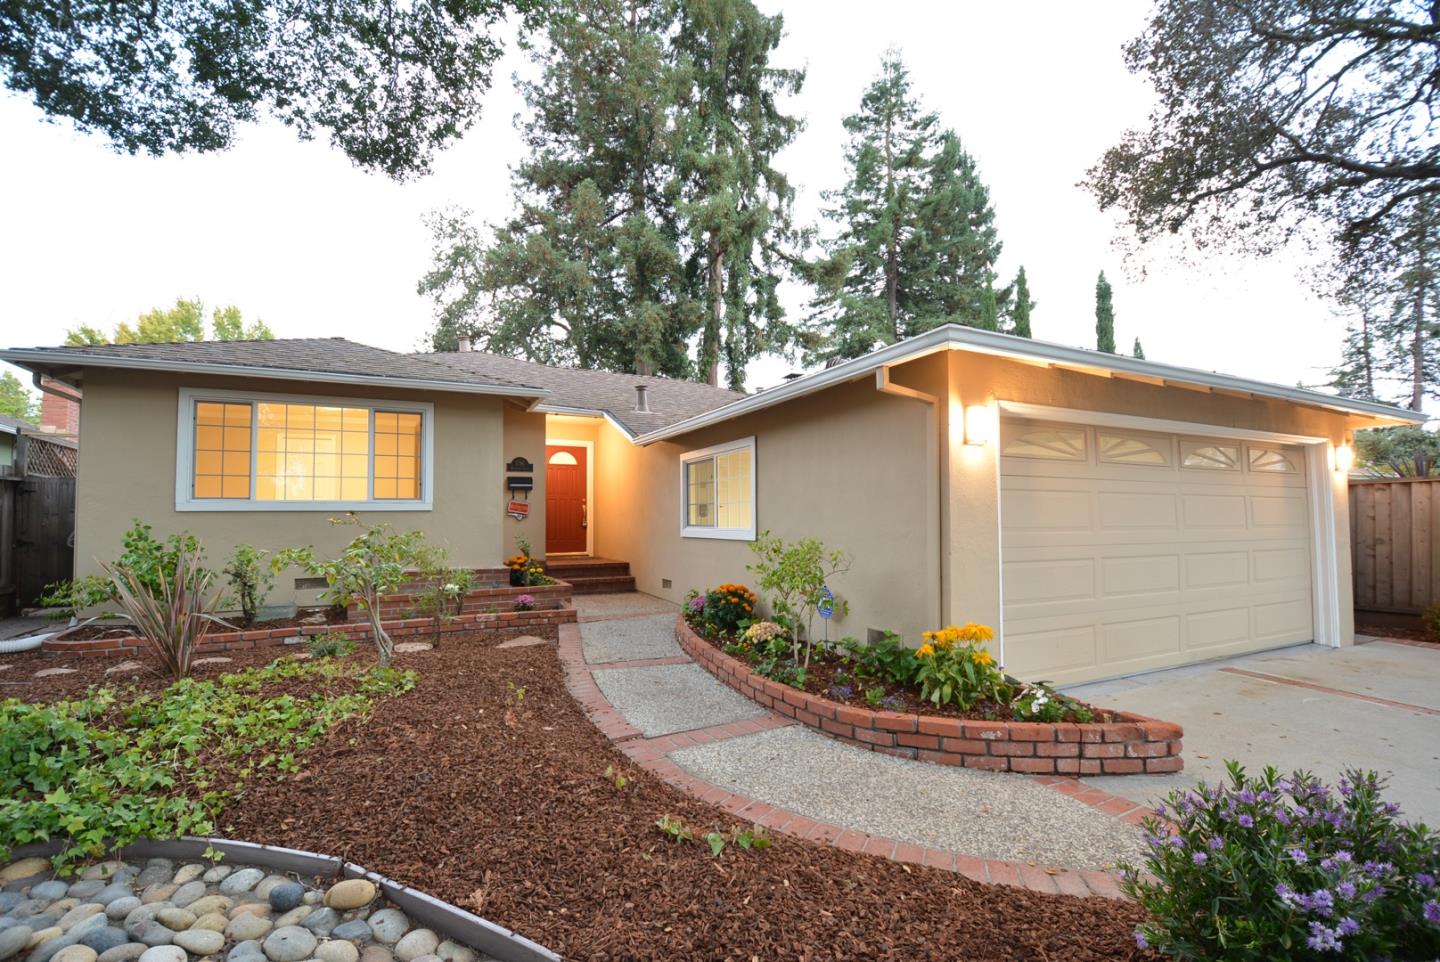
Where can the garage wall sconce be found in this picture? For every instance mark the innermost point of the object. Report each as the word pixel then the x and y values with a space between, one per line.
pixel 980 424
pixel 1344 458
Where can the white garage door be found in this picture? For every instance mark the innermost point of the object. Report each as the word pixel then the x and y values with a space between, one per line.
pixel 1125 551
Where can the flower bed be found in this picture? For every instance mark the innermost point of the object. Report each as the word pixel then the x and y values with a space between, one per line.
pixel 544 622
pixel 1127 744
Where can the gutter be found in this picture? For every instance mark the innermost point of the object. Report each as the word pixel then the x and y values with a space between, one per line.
pixel 48 385
pixel 1045 354
pixel 26 358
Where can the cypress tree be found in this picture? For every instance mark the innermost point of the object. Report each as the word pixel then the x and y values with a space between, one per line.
pixel 1104 316
pixel 1138 352
pixel 989 311
pixel 1020 314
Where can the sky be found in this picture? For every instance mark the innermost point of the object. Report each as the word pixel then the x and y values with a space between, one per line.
pixel 293 233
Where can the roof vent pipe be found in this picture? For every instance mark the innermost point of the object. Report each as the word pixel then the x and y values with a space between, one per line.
pixel 464 343
pixel 642 400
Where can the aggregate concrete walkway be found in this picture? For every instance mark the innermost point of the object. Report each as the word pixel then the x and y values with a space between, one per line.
pixel 1049 834
pixel 1375 705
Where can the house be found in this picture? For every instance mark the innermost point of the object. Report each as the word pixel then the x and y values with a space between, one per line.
pixel 1108 515
pixel 10 429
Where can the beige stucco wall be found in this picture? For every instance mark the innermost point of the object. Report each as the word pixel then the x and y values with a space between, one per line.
pixel 524 438
pixel 128 425
pixel 848 466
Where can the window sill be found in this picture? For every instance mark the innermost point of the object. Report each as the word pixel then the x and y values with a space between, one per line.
pixel 719 534
pixel 330 507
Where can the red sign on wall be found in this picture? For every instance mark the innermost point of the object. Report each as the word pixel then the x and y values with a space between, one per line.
pixel 519 510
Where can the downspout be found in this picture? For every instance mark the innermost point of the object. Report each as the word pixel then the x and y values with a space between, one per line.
pixel 54 387
pixel 884 385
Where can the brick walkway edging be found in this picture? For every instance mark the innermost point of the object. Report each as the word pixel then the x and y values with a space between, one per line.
pixel 652 754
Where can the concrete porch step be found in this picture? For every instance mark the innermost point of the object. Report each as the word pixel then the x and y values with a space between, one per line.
pixel 568 569
pixel 599 584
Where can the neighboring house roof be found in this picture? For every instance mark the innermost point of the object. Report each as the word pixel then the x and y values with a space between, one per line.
pixel 573 390
pixel 9 425
pixel 957 337
pixel 313 359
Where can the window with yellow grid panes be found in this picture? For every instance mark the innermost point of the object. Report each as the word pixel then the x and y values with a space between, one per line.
pixel 312 452
pixel 222 450
pixel 397 455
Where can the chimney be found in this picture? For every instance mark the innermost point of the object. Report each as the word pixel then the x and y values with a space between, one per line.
pixel 642 401
pixel 59 415
pixel 464 345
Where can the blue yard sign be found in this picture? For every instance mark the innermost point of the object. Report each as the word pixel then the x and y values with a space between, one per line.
pixel 826 607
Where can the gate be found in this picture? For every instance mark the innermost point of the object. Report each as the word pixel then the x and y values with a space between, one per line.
pixel 1395 544
pixel 37 529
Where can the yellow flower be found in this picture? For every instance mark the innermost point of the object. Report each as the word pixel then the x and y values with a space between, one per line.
pixel 924 651
pixel 983 657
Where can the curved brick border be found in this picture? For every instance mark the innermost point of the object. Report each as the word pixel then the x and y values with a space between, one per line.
pixel 1135 744
pixel 652 754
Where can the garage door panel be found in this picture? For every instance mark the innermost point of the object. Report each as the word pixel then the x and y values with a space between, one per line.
pixel 1123 565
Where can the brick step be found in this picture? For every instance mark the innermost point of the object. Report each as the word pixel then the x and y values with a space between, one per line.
pixel 599 585
pixel 570 570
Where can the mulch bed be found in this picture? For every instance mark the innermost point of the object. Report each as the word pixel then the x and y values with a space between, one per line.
pixel 333 616
pixel 1393 631
pixel 499 802
pixel 18 681
pixel 820 680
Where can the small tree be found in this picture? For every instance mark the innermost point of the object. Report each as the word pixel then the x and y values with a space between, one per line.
pixel 377 562
pixel 249 580
pixel 1104 316
pixel 444 594
pixel 794 577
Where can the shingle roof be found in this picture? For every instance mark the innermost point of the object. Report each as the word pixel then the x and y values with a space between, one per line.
pixel 669 400
pixel 13 425
pixel 333 357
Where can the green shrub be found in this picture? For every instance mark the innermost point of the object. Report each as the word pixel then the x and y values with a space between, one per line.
pixel 104 770
pixel 1288 868
pixel 728 609
pixel 1039 702
pixel 250 580
pixel 331 644
pixel 889 658
pixel 152 562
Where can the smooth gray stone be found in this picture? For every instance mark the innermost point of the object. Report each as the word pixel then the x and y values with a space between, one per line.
pixel 389 926
pixel 321 921
pixel 113 892
pixel 105 938
pixel 82 890
pixel 8 900
pixel 154 875
pixel 12 940
pixel 8 923
pixel 164 953
pixel 96 921
pixel 30 908
pixel 120 908
pixel 44 951
pixel 290 944
pixel 355 931
pixel 188 893
pixel 53 889
pixel 286 895
pixel 124 953
pixel 21 884
pixel 152 933
pixel 200 941
pixel 248 951
pixel 241 881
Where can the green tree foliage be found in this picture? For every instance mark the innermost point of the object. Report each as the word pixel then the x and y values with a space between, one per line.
pixel 1138 352
pixel 390 83
pixel 916 242
pixel 1272 113
pixel 1020 314
pixel 1406 452
pixel 1104 316
pixel 183 322
pixel 649 210
pixel 17 400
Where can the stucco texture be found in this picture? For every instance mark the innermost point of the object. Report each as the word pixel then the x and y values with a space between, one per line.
pixel 128 431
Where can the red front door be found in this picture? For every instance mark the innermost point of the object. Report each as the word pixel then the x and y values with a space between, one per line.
pixel 566 510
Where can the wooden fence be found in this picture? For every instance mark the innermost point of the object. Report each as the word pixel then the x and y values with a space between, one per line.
pixel 37 530
pixel 1395 544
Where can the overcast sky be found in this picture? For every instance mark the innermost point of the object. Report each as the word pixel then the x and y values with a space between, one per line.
pixel 291 232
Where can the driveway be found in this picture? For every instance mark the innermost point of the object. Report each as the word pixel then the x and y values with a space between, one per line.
pixel 1375 706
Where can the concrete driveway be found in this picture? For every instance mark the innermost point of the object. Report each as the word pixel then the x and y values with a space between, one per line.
pixel 1374 706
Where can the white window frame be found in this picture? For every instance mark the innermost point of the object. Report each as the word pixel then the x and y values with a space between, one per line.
pixel 722 534
pixel 185 453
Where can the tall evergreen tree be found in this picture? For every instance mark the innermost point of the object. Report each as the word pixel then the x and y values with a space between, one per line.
pixel 916 244
pixel 1104 316
pixel 989 311
pixel 734 201
pixel 1138 352
pixel 1020 313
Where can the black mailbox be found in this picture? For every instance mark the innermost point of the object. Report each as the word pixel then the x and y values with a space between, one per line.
pixel 516 482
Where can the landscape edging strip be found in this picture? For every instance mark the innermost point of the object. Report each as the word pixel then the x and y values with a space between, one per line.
pixel 447 919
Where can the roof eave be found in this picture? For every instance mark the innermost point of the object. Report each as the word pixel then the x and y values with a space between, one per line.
pixel 546 408
pixel 33 360
pixel 956 337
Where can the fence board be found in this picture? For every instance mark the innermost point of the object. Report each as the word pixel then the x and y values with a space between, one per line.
pixel 1395 543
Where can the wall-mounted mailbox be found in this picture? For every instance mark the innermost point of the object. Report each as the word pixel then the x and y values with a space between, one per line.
pixel 517 482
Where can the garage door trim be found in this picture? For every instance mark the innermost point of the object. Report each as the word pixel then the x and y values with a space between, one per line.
pixel 1320 460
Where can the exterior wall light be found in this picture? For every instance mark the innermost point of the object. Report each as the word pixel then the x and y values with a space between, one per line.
pixel 1344 458
pixel 980 424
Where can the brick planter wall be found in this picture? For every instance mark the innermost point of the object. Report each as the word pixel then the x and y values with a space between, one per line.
pixel 544 623
pixel 1132 745
pixel 499 595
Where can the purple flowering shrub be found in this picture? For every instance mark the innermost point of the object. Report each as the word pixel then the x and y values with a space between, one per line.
pixel 1288 868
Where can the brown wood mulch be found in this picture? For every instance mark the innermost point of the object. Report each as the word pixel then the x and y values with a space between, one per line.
pixel 1396 631
pixel 486 787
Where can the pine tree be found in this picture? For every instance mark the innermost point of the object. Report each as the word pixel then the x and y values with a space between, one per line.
pixel 1104 316
pixel 917 244
pixel 1138 352
pixel 590 270
pixel 1020 313
pixel 989 311
pixel 735 204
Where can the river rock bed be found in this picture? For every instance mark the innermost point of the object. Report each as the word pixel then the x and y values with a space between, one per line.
pixel 168 911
